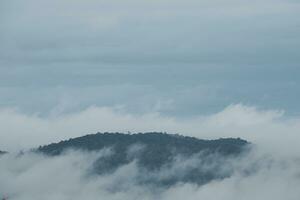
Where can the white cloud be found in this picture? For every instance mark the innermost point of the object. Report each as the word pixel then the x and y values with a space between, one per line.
pixel 275 156
pixel 46 43
pixel 268 128
pixel 31 177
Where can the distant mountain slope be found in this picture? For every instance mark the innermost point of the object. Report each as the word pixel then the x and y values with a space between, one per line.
pixel 154 152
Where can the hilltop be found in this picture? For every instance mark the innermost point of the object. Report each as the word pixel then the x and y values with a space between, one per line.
pixel 154 152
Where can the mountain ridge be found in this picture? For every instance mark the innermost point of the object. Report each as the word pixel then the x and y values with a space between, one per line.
pixel 100 140
pixel 156 153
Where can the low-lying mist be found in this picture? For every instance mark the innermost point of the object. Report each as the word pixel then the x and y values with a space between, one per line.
pixel 255 175
pixel 271 170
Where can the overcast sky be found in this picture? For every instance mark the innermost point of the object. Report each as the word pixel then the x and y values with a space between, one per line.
pixel 179 58
pixel 203 68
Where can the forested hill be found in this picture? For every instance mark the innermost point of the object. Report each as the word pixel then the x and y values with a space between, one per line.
pixel 157 142
pixel 153 151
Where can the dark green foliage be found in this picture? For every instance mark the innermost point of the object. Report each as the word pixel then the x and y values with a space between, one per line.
pixel 157 142
pixel 155 151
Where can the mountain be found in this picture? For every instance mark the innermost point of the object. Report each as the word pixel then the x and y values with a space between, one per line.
pixel 155 152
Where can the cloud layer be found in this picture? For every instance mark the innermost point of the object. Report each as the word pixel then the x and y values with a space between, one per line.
pixel 164 65
pixel 194 56
pixel 166 31
pixel 268 128
pixel 31 177
pixel 275 156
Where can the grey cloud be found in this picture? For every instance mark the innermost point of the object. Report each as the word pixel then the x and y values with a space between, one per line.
pixel 190 89
pixel 270 129
pixel 235 51
pixel 157 32
pixel 69 68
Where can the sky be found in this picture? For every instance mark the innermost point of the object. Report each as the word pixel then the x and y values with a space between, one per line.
pixel 202 68
pixel 179 58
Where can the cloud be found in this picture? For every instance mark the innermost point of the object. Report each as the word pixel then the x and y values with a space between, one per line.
pixel 201 55
pixel 275 156
pixel 197 54
pixel 32 176
pixel 270 129
pixel 41 32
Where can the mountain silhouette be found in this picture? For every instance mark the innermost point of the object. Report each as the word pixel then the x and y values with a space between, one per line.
pixel 154 152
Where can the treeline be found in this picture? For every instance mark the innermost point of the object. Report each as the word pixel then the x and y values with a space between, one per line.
pixel 155 154
pixel 154 140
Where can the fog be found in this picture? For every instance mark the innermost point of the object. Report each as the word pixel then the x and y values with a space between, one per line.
pixel 270 129
pixel 208 69
pixel 69 176
pixel 274 156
